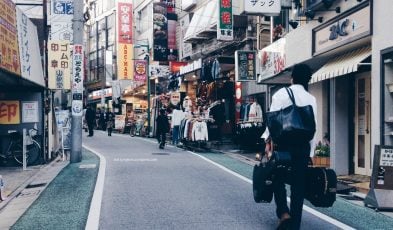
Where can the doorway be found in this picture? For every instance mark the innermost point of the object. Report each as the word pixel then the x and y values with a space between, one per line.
pixel 362 124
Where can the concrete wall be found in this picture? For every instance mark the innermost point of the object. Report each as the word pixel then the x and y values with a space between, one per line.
pixel 319 91
pixel 382 39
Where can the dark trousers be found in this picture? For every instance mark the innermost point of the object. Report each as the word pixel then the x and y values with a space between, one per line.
pixel 296 177
pixel 109 131
pixel 161 137
pixel 90 126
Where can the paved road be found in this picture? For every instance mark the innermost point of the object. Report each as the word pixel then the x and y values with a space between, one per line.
pixel 149 188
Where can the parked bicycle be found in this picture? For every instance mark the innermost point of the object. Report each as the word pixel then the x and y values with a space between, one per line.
pixel 15 147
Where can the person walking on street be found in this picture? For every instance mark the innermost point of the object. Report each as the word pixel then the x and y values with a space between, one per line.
pixel 177 116
pixel 110 121
pixel 162 128
pixel 90 119
pixel 290 218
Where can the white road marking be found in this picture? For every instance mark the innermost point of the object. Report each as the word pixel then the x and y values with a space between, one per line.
pixel 93 220
pixel 306 208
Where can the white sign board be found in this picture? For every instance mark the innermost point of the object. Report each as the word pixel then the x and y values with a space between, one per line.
pixel 386 157
pixel 30 112
pixel 262 7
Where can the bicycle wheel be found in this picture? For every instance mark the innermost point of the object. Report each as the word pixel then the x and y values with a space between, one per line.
pixel 32 153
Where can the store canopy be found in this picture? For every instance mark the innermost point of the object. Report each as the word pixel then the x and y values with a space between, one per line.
pixel 203 22
pixel 342 64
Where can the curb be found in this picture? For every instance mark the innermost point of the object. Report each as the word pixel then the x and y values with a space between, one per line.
pixel 17 191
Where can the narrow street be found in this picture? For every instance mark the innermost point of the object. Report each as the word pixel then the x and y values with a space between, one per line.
pixel 149 188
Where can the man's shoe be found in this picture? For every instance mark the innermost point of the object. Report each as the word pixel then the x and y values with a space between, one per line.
pixel 285 222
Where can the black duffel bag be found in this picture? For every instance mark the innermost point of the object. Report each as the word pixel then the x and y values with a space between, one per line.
pixel 321 186
pixel 293 124
pixel 262 181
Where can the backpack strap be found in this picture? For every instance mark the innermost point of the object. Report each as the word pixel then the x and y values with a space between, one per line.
pixel 290 94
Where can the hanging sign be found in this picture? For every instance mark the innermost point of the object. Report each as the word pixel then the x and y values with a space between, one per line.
pixel 381 184
pixel 245 65
pixel 262 7
pixel 77 80
pixel 225 20
pixel 140 70
pixel 59 64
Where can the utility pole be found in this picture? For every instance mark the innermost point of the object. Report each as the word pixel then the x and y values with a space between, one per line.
pixel 77 84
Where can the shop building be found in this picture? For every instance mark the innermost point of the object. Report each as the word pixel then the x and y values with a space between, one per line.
pixel 347 53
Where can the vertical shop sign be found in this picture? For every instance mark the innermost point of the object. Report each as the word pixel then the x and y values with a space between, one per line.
pixel 77 80
pixel 59 67
pixel 62 13
pixel 160 32
pixel 9 112
pixel 30 59
pixel 140 70
pixel 245 65
pixel 238 99
pixel 125 70
pixel 9 51
pixel 225 20
pixel 262 7
pixel 172 50
pixel 185 48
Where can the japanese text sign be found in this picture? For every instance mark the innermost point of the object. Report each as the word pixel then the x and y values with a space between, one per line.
pixel 9 112
pixel 59 67
pixel 62 13
pixel 125 22
pixel 225 19
pixel 140 70
pixel 125 63
pixel 245 65
pixel 77 80
pixel 9 51
pixel 262 7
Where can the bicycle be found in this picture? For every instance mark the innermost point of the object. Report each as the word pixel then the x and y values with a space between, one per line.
pixel 15 147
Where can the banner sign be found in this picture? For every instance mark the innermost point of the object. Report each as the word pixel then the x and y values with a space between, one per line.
pixel 176 65
pixel 9 112
pixel 30 58
pixel 59 65
pixel 225 20
pixel 262 7
pixel 9 50
pixel 62 13
pixel 125 22
pixel 272 59
pixel 175 98
pixel 125 70
pixel 245 65
pixel 140 70
pixel 185 48
pixel 107 92
pixel 77 80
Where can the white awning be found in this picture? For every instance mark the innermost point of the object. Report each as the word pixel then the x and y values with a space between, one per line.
pixel 203 20
pixel 341 65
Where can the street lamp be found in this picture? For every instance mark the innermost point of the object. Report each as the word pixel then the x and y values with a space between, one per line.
pixel 147 58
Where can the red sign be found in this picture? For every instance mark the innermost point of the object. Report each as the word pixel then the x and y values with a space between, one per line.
pixel 125 22
pixel 175 66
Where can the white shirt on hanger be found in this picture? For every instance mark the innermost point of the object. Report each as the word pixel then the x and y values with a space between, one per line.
pixel 281 100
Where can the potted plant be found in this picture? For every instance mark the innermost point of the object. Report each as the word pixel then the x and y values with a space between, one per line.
pixel 322 155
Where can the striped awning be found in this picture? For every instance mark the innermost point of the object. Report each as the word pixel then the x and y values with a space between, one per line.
pixel 342 64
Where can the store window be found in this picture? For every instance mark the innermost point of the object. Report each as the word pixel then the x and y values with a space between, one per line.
pixel 387 97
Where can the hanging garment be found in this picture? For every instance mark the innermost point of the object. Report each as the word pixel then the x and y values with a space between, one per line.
pixel 255 113
pixel 199 131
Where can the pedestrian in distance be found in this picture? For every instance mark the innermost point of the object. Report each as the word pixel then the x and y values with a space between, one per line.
pixel 102 120
pixel 177 117
pixel 162 128
pixel 290 218
pixel 110 121
pixel 90 119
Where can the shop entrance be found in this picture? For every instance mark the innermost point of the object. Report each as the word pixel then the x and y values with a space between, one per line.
pixel 362 125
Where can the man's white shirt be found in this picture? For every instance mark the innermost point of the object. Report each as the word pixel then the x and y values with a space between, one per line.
pixel 281 100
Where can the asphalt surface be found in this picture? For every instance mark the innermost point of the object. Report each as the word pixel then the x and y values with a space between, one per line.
pixel 149 188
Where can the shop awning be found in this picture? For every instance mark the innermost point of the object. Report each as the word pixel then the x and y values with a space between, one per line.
pixel 342 64
pixel 203 22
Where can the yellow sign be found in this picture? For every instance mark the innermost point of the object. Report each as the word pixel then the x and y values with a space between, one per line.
pixel 125 62
pixel 9 49
pixel 9 112
pixel 59 65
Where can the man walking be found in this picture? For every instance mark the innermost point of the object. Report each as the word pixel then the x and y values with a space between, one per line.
pixel 162 128
pixel 90 119
pixel 110 121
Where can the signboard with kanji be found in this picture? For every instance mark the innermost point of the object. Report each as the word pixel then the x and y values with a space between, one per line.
pixel 59 65
pixel 125 22
pixel 9 112
pixel 77 80
pixel 245 65
pixel 225 20
pixel 9 51
pixel 262 7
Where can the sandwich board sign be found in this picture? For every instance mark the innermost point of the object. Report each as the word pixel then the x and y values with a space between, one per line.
pixel 381 184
